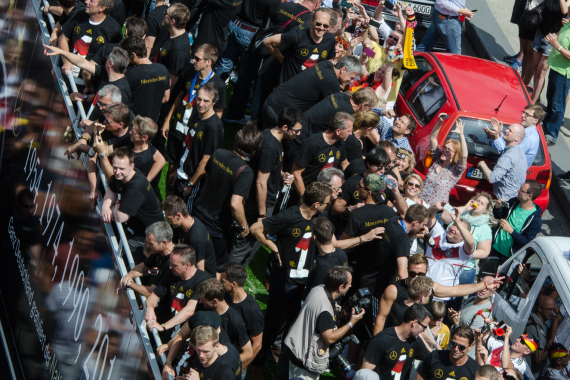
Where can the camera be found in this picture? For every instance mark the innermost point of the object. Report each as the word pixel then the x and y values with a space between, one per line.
pixel 359 300
pixel 336 348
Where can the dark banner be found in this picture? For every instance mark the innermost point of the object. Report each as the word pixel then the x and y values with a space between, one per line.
pixel 61 318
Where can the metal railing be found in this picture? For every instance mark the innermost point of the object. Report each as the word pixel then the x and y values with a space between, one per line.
pixel 120 246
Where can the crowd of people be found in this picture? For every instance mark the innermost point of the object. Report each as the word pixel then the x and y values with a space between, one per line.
pixel 362 249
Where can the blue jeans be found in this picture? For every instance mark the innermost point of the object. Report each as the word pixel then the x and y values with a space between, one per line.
pixel 556 93
pixel 448 29
pixel 238 43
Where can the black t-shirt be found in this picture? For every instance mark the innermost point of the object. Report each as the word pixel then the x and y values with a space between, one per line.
pixel 118 12
pixel 198 238
pixel 219 370
pixel 103 54
pixel 437 366
pixel 393 357
pixel 268 159
pixel 156 260
pixel 551 17
pixel 155 28
pixel 232 358
pixel 257 12
pixel 353 148
pixel 396 314
pixel 148 85
pixel 100 80
pixel 212 204
pixel 250 312
pixel 179 123
pixel 301 52
pixel 356 167
pixel 78 9
pixel 401 290
pixel 116 141
pixel 350 190
pixel 316 155
pixel 305 90
pixel 294 234
pixel 323 263
pixel 179 291
pixel 234 325
pixel 175 54
pixel 139 202
pixel 145 160
pixel 317 118
pixel 213 28
pixel 86 38
pixel 375 261
pixel 204 137
pixel 292 13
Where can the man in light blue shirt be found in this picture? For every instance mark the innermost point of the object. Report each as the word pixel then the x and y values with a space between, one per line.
pixel 445 24
pixel 510 172
pixel 531 116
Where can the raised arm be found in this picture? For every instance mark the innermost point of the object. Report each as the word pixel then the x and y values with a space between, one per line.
pixel 433 144
pixel 78 61
pixel 459 125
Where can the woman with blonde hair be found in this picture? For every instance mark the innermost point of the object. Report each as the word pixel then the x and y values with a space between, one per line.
pixel 405 164
pixel 449 163
pixel 341 47
pixel 364 122
pixel 412 186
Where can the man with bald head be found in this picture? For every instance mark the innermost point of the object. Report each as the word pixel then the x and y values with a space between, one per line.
pixel 538 325
pixel 510 172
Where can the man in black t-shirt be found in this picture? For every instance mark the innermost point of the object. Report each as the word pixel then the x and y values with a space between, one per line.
pixel 178 289
pixel 311 86
pixel 157 31
pixel 150 85
pixel 452 363
pixel 303 46
pixel 175 53
pixel 233 277
pixel 175 126
pixel 321 151
pixel 158 245
pixel 85 34
pixel 212 297
pixel 419 292
pixel 213 28
pixel 390 258
pixel 267 165
pixel 391 353
pixel 205 136
pixel 69 9
pixel 228 181
pixel 138 207
pixel 291 259
pixel 208 364
pixel 290 14
pixel 134 26
pixel 191 231
pixel 327 256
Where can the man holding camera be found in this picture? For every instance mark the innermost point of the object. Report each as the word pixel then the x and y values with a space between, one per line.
pixel 305 351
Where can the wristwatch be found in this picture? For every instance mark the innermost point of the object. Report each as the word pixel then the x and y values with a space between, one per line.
pixel 163 326
pixel 190 184
pixel 102 155
pixel 262 215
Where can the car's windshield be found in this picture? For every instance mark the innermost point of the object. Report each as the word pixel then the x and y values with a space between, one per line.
pixel 480 145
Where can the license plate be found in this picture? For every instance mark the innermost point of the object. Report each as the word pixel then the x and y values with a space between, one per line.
pixel 473 173
pixel 421 9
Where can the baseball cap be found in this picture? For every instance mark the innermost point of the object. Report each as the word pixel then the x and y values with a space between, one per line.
pixel 376 185
pixel 530 341
pixel 556 351
pixel 205 318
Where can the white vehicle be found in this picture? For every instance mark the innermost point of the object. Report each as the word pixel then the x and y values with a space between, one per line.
pixel 546 270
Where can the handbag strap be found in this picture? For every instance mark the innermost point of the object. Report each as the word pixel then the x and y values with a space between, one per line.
pixel 288 22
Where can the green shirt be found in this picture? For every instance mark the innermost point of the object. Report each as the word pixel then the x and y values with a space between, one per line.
pixel 504 240
pixel 557 61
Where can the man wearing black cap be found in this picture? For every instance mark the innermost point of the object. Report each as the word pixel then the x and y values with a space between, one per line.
pixel 224 349
pixel 558 356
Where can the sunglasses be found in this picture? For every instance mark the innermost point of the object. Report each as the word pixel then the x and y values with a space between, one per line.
pixel 326 26
pixel 415 274
pixel 337 189
pixel 460 346
pixel 416 185
pixel 421 324
pixel 102 105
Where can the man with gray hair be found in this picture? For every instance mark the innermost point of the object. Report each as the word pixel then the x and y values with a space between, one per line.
pixel 509 174
pixel 323 150
pixel 157 247
pixel 309 87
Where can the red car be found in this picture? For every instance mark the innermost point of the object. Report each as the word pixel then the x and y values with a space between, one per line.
pixel 474 90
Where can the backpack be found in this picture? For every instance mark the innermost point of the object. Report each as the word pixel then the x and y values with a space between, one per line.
pixel 259 50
